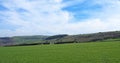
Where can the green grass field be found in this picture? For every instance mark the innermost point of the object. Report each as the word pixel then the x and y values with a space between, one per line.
pixel 94 52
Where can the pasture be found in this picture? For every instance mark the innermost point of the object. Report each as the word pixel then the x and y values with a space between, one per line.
pixel 93 52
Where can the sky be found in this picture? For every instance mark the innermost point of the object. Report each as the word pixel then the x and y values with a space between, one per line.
pixel 51 17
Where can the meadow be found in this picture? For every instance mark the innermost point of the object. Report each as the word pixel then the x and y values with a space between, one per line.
pixel 93 52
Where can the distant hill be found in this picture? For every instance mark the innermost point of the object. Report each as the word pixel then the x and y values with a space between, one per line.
pixel 29 39
pixel 16 40
pixel 6 41
pixel 58 39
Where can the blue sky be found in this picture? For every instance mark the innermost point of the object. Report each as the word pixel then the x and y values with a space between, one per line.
pixel 50 17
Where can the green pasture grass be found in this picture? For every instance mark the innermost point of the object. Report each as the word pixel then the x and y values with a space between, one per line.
pixel 93 52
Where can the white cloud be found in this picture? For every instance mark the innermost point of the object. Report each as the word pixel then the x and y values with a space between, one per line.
pixel 46 17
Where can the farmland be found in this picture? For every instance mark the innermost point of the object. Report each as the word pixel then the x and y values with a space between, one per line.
pixel 92 52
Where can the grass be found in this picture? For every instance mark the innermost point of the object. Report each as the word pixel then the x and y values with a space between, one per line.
pixel 94 52
pixel 112 40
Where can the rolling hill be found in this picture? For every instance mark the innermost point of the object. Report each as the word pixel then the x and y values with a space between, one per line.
pixel 58 39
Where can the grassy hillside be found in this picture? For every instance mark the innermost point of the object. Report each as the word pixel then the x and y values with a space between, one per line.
pixel 93 52
pixel 58 39
pixel 112 40
pixel 29 39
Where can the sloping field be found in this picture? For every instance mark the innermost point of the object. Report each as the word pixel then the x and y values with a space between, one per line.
pixel 94 52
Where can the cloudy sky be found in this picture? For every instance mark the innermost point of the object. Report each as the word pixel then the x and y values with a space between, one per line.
pixel 50 17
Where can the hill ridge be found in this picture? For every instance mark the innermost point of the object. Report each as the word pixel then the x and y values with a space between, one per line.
pixel 58 39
